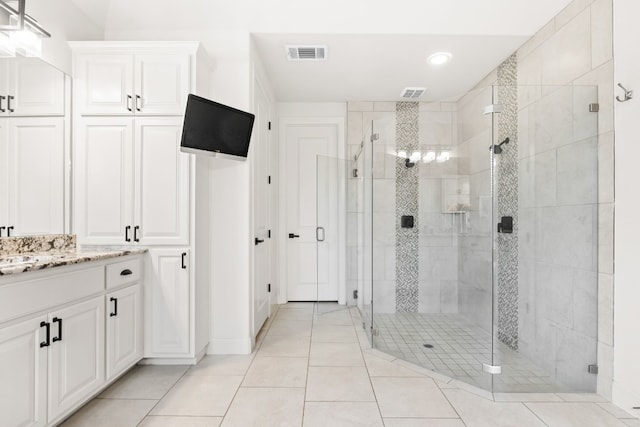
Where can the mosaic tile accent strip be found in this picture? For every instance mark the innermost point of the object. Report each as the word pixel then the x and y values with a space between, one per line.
pixel 407 239
pixel 507 193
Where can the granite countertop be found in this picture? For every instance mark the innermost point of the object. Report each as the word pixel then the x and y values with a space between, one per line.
pixel 22 254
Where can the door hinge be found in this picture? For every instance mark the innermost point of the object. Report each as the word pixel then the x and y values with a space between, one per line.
pixel 355 294
pixel 269 179
pixel 374 331
pixel 269 125
pixel 269 287
pixel 592 369
pixel 594 107
pixel 269 233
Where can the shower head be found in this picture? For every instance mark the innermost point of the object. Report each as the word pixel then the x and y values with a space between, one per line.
pixel 497 149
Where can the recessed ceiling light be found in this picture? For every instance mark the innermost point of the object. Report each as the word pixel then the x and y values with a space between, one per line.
pixel 439 58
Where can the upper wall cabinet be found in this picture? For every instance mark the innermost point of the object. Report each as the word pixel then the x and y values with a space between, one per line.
pixel 119 83
pixel 31 87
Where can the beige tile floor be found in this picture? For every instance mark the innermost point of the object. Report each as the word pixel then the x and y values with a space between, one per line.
pixel 315 368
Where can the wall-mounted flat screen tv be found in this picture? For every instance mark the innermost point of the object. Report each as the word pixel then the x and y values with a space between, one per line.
pixel 211 128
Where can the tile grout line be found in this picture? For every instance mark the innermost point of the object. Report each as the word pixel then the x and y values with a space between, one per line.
pixel 366 367
pixel 534 414
pixel 164 395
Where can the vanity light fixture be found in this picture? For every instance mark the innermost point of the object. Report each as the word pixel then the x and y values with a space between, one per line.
pixel 23 34
pixel 439 58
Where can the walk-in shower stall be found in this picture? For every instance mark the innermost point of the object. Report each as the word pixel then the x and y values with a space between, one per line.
pixel 471 234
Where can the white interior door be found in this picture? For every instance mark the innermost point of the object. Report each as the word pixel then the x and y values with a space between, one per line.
pixel 260 162
pixel 303 143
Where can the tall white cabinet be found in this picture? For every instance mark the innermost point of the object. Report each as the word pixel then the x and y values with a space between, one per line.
pixel 133 186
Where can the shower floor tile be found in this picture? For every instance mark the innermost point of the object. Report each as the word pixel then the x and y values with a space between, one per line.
pixel 459 350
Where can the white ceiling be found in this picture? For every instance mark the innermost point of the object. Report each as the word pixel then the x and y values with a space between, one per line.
pixel 378 67
pixel 376 47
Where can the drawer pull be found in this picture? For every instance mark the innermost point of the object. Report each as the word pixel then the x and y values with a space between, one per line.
pixel 59 322
pixel 115 307
pixel 47 341
pixel 126 272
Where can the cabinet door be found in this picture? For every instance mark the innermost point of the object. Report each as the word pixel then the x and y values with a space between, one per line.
pixel 36 175
pixel 162 83
pixel 76 355
pixel 124 329
pixel 105 84
pixel 162 183
pixel 37 88
pixel 4 175
pixel 23 369
pixel 103 177
pixel 167 304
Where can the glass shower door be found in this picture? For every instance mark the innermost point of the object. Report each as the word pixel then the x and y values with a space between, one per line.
pixel 331 234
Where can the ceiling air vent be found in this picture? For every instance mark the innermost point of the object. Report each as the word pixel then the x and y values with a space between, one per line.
pixel 413 92
pixel 306 52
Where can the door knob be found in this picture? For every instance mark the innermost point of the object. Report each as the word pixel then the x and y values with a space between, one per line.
pixel 293 236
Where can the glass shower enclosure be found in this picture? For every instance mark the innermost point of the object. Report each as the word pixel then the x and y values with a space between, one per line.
pixel 471 236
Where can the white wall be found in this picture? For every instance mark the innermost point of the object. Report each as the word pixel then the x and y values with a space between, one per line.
pixel 65 22
pixel 626 381
pixel 230 222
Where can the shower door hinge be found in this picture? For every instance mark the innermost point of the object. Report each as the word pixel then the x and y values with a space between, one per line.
pixel 592 369
pixel 355 294
pixel 594 107
pixel 493 108
pixel 374 331
pixel 492 369
pixel 375 137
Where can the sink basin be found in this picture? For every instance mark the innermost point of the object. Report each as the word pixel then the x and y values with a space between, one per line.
pixel 16 260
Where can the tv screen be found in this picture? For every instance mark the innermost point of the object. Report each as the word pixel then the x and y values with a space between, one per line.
pixel 212 128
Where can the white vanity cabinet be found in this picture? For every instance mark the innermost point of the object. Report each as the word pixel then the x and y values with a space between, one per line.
pixel 31 87
pixel 132 182
pixel 124 316
pixel 76 355
pixel 59 343
pixel 23 369
pixel 119 82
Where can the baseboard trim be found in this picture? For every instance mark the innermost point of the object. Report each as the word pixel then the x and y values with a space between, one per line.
pixel 626 399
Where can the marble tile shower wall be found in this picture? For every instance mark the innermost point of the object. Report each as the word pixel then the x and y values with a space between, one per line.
pixel 566 195
pixel 437 257
pixel 440 190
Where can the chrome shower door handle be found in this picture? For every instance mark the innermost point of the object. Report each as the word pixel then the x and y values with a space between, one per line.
pixel 318 230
